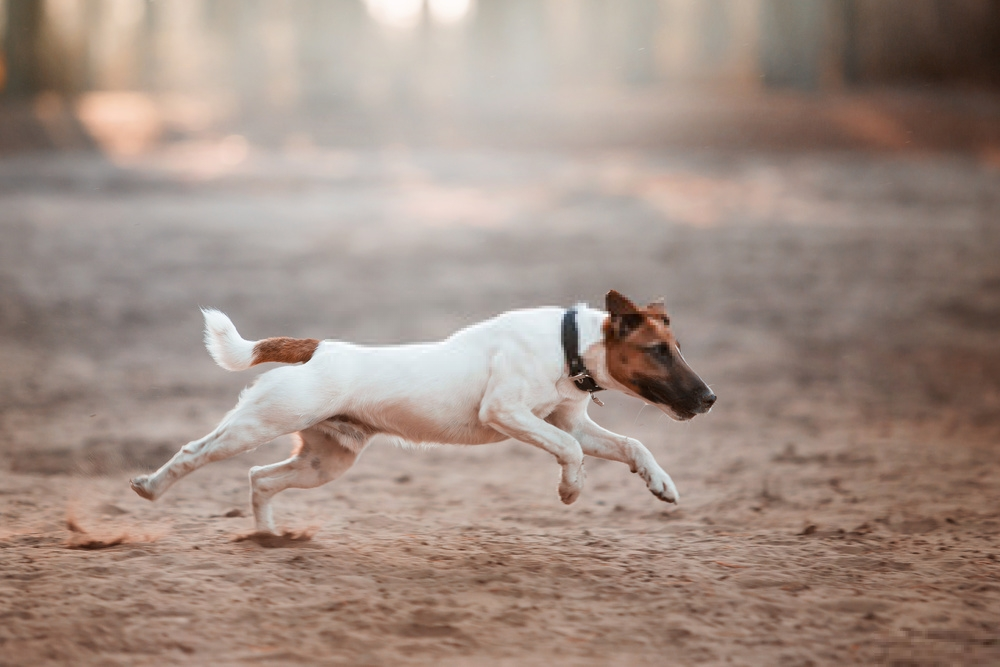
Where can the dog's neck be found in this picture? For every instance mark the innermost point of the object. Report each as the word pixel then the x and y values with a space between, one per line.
pixel 590 323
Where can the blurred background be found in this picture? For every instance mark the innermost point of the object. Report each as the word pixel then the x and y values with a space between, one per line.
pixel 811 183
pixel 129 74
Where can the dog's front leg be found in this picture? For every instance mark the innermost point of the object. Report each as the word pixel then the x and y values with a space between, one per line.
pixel 519 423
pixel 604 444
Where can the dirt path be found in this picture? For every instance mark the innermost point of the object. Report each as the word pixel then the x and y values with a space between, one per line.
pixel 839 505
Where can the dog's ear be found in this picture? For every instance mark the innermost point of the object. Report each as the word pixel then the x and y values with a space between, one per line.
pixel 658 309
pixel 618 304
pixel 625 316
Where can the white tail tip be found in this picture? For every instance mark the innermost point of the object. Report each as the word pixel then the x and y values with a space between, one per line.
pixel 224 342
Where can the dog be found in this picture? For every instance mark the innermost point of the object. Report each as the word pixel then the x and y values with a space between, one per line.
pixel 525 374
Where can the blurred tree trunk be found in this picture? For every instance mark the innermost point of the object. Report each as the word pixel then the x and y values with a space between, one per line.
pixel 791 33
pixel 851 57
pixel 22 33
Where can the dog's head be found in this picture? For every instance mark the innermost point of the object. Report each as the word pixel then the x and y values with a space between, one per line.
pixel 643 356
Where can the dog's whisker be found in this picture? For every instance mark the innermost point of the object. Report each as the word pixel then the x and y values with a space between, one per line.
pixel 638 414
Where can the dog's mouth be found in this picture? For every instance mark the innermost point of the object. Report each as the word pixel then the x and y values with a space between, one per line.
pixel 677 415
pixel 678 405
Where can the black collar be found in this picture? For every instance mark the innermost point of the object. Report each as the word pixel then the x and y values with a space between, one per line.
pixel 578 372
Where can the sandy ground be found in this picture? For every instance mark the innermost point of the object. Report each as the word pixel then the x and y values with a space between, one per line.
pixel 839 505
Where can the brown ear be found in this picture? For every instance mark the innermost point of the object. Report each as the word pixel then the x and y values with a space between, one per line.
pixel 618 305
pixel 625 317
pixel 657 308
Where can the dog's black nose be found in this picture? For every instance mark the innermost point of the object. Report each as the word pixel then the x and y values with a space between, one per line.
pixel 708 400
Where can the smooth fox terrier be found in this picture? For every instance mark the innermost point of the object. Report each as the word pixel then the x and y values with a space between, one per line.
pixel 526 374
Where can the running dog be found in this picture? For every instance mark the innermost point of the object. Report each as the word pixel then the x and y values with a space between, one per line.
pixel 526 374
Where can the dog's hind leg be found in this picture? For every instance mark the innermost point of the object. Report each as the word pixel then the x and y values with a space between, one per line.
pixel 277 404
pixel 321 457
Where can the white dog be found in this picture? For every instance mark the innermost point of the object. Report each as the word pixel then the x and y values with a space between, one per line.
pixel 525 374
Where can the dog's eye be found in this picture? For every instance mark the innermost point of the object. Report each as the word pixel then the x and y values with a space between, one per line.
pixel 661 350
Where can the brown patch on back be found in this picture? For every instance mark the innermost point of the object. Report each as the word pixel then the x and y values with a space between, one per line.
pixel 284 350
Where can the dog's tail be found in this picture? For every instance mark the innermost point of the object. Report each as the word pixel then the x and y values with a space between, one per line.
pixel 233 353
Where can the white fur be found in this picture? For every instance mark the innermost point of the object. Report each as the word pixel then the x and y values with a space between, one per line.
pixel 224 342
pixel 502 378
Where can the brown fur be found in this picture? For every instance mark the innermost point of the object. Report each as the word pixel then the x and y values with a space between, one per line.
pixel 642 354
pixel 626 356
pixel 284 350
pixel 657 309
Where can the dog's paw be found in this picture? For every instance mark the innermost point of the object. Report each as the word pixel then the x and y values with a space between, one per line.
pixel 140 485
pixel 568 493
pixel 571 483
pixel 663 488
pixel 570 488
